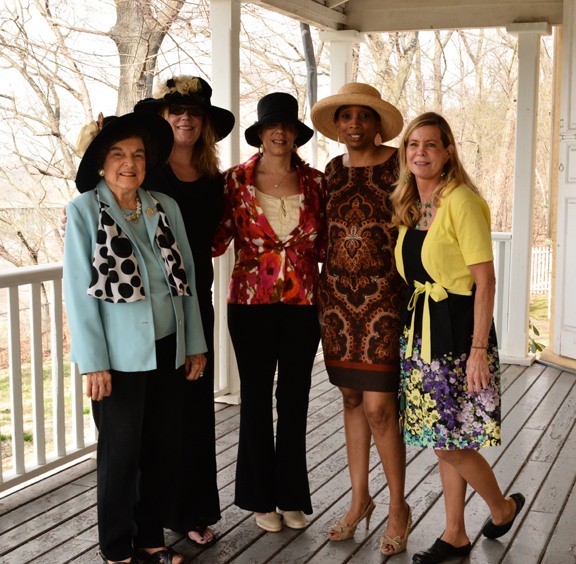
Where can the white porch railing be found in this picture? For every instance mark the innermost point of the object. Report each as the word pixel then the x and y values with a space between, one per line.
pixel 17 279
pixel 51 276
pixel 34 277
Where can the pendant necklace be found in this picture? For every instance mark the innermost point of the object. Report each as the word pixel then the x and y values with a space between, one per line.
pixel 283 178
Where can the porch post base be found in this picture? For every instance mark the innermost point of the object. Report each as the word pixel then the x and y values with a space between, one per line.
pixel 230 399
pixel 520 360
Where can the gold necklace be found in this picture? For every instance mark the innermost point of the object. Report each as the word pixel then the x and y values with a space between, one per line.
pixel 283 178
pixel 134 215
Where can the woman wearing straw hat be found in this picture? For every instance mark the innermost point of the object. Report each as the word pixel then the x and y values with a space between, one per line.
pixel 274 212
pixel 360 297
pixel 191 176
pixel 136 331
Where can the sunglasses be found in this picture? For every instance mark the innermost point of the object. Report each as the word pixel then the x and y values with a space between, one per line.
pixel 193 111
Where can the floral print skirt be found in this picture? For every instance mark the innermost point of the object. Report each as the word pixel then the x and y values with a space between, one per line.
pixel 436 409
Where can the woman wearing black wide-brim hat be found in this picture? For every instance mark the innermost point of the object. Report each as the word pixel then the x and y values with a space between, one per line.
pixel 134 319
pixel 192 177
pixel 274 213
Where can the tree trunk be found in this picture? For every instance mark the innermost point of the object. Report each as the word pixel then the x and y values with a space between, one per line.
pixel 138 33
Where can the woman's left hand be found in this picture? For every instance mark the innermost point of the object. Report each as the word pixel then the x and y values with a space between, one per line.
pixel 194 366
pixel 477 371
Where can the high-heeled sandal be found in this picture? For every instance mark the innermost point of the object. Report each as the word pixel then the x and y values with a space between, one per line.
pixel 346 532
pixel 398 544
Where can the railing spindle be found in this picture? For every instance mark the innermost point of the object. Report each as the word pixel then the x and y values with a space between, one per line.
pixel 16 381
pixel 39 436
pixel 58 369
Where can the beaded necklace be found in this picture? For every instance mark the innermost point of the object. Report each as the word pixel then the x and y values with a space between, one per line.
pixel 134 215
pixel 427 205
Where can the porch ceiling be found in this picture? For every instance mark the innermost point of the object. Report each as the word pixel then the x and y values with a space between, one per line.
pixel 407 15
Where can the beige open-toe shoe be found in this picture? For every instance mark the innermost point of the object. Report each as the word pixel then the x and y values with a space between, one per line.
pixel 398 544
pixel 269 522
pixel 345 532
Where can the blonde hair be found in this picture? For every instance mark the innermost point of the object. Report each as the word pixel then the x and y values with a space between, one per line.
pixel 405 197
pixel 205 153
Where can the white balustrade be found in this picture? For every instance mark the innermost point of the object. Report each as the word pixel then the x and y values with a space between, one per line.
pixel 34 277
pixel 51 275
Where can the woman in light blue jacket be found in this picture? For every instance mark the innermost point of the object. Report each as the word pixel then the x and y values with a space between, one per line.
pixel 136 330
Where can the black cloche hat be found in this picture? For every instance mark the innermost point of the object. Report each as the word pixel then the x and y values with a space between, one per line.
pixel 278 107
pixel 189 91
pixel 87 176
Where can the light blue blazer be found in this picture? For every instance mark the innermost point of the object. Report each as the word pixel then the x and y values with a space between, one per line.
pixel 121 336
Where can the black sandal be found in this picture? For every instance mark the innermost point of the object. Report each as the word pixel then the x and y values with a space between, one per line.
pixel 132 560
pixel 159 557
pixel 200 530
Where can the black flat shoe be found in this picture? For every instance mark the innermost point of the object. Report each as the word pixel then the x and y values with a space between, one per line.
pixel 439 551
pixel 492 531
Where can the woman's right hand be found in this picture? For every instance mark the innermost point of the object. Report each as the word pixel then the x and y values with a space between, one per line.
pixel 98 385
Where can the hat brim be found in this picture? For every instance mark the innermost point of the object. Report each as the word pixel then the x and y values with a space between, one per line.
pixel 87 176
pixel 305 133
pixel 322 114
pixel 224 120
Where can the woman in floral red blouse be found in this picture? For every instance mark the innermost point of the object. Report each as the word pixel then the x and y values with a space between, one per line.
pixel 274 212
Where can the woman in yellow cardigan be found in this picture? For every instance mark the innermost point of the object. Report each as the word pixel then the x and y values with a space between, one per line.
pixel 450 375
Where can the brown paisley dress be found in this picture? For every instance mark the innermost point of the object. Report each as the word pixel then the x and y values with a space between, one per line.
pixel 361 294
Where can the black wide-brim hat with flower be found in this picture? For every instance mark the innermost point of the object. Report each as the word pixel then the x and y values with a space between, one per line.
pixel 278 107
pixel 87 176
pixel 189 91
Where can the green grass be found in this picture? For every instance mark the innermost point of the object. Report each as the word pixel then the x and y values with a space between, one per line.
pixel 540 322
pixel 6 410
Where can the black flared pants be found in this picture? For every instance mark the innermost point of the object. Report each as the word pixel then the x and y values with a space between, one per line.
pixel 139 427
pixel 271 474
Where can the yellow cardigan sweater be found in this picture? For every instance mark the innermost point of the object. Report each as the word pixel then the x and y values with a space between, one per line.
pixel 459 236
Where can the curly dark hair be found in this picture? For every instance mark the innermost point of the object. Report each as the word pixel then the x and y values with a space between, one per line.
pixel 150 145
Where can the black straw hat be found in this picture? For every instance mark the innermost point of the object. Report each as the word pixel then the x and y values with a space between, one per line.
pixel 87 176
pixel 278 107
pixel 189 91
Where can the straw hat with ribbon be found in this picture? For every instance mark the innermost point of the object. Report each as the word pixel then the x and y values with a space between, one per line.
pixel 356 94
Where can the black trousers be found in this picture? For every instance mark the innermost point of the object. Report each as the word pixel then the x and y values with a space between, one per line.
pixel 139 428
pixel 195 503
pixel 268 474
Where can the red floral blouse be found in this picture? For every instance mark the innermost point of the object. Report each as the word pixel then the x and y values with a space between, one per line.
pixel 267 270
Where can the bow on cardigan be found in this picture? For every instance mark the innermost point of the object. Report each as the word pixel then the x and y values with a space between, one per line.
pixel 437 293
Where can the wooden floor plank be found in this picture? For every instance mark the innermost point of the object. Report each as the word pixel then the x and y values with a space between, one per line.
pixel 46 522
pixel 38 489
pixel 52 538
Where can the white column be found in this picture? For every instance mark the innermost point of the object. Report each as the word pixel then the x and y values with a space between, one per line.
pixel 225 28
pixel 341 43
pixel 516 339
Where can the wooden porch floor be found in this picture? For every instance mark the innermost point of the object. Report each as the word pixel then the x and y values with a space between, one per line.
pixel 54 520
